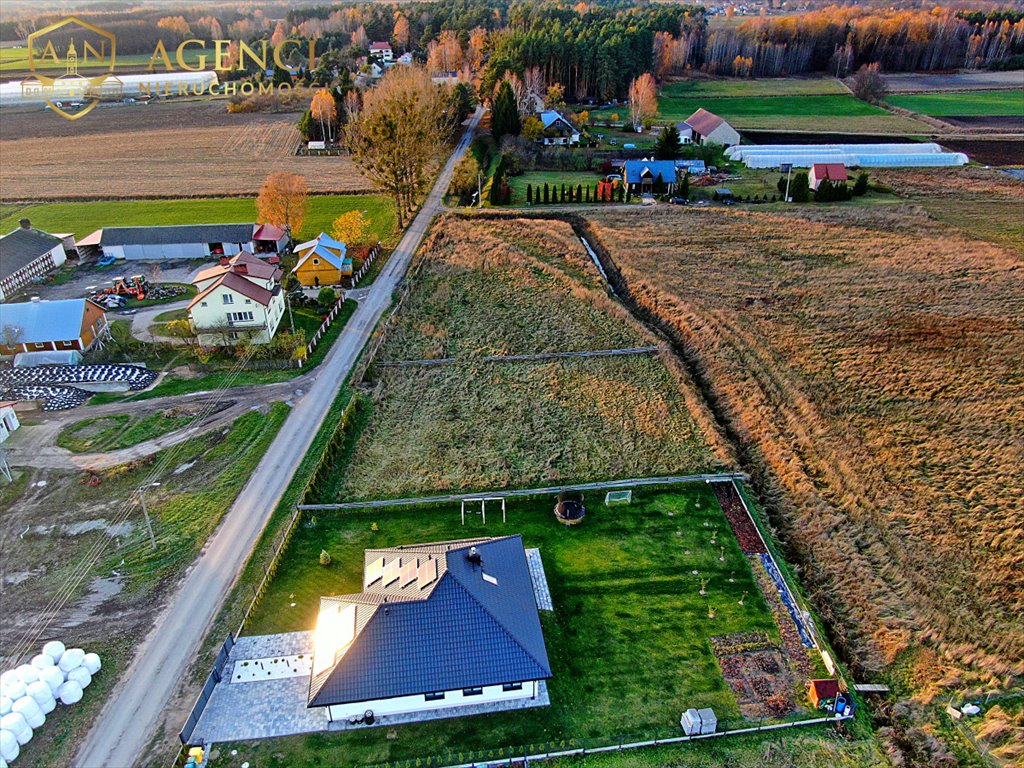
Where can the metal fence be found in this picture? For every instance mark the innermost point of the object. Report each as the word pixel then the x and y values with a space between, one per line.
pixel 204 695
pixel 545 750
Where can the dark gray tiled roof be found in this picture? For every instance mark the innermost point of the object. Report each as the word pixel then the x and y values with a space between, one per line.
pixel 21 247
pixel 464 633
pixel 179 233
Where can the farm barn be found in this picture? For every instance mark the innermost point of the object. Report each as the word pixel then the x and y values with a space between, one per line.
pixel 184 241
pixel 708 128
pixel 27 253
pixel 37 326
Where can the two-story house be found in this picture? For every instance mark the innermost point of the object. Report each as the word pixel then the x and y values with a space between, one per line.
pixel 238 299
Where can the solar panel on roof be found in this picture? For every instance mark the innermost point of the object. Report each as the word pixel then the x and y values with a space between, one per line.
pixel 374 571
pixel 391 571
pixel 408 573
pixel 426 574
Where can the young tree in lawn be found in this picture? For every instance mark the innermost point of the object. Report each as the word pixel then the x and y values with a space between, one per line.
pixel 529 194
pixel 326 298
pixel 684 186
pixel 350 227
pixel 282 201
pixel 324 111
pixel 643 100
pixel 505 115
pixel 669 145
pixel 398 134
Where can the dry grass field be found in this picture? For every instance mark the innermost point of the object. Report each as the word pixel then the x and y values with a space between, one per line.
pixel 180 149
pixel 515 286
pixel 870 363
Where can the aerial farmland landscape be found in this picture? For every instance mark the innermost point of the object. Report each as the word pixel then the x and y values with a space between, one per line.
pixel 511 382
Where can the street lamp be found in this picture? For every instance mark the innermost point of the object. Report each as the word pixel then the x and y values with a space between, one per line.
pixel 145 512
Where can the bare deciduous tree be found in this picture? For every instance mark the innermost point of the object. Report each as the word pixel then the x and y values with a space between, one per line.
pixel 643 100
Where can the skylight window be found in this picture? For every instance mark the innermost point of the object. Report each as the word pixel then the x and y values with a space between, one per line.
pixel 490 579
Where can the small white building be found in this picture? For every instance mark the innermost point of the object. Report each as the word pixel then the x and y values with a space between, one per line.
pixel 185 241
pixel 558 129
pixel 708 128
pixel 8 420
pixel 27 254
pixel 238 299
pixel 685 133
pixel 405 59
pixel 382 52
pixel 834 172
pixel 445 625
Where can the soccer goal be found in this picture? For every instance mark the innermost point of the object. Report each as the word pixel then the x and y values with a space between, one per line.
pixel 617 497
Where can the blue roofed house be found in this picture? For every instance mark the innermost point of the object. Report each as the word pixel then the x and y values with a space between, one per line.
pixel 437 626
pixel 48 326
pixel 322 261
pixel 650 176
pixel 557 128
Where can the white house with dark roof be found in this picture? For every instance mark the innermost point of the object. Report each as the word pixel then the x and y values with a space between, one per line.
pixel 557 128
pixel 708 128
pixel 25 254
pixel 185 241
pixel 442 625
pixel 238 299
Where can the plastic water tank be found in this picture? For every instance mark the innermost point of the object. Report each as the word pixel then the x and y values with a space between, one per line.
pixel 54 649
pixel 70 659
pixel 92 663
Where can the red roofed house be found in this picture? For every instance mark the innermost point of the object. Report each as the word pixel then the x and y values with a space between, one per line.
pixel 711 129
pixel 382 51
pixel 238 299
pixel 822 692
pixel 834 172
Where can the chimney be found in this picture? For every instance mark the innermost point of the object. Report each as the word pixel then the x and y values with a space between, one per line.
pixel 224 261
pixel 474 556
pixel 25 223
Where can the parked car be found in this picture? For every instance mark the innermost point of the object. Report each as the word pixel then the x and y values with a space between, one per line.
pixel 629 146
pixel 678 201
pixel 614 142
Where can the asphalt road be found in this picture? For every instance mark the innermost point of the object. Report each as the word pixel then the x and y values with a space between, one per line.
pixel 131 714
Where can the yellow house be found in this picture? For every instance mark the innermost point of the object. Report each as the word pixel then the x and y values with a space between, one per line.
pixel 322 261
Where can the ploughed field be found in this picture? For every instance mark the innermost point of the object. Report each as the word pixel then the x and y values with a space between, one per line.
pixel 175 149
pixel 870 362
pixel 510 286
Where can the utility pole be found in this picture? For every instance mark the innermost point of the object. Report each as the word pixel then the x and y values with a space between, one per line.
pixel 787 168
pixel 145 513
pixel 479 190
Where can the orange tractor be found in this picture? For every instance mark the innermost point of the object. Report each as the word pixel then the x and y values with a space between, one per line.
pixel 134 287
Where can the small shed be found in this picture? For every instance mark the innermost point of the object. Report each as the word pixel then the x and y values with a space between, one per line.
pixel 834 172
pixel 822 693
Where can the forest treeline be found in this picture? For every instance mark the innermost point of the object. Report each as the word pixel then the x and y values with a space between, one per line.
pixel 594 50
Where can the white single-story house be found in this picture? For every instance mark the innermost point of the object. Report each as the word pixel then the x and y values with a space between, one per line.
pixel 708 128
pixel 382 51
pixel 46 326
pixel 834 172
pixel 685 133
pixel 8 420
pixel 650 176
pixel 238 299
pixel 405 59
pixel 25 254
pixel 437 626
pixel 185 241
pixel 557 129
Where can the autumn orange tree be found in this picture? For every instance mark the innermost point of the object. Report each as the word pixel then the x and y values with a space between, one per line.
pixel 350 227
pixel 643 100
pixel 283 200
pixel 400 34
pixel 325 111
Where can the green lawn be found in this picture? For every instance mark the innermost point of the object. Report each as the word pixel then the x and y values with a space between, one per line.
pixel 712 89
pixel 994 103
pixel 628 640
pixel 86 217
pixel 555 178
pixel 109 433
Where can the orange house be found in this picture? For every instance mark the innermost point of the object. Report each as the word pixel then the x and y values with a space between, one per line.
pixel 43 326
pixel 322 261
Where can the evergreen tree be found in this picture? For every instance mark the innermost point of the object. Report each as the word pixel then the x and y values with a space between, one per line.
pixel 588 194
pixel 800 189
pixel 669 145
pixel 825 193
pixel 860 187
pixel 579 193
pixel 781 185
pixel 529 194
pixel 505 115
pixel 546 198
pixel 684 186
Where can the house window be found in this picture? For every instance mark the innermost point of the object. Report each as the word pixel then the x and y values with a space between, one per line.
pixel 434 696
pixel 248 301
pixel 239 317
pixel 472 691
pixel 202 303
pixel 512 687
pixel 228 298
pixel 316 262
pixel 37 345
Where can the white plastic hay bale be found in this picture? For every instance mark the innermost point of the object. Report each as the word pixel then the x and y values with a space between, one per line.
pixel 27 673
pixel 14 689
pixel 49 705
pixel 53 677
pixel 54 649
pixel 92 663
pixel 39 691
pixel 5 705
pixel 29 709
pixel 70 659
pixel 3 763
pixel 43 660
pixel 69 693
pixel 8 677
pixel 15 723
pixel 81 676
pixel 9 747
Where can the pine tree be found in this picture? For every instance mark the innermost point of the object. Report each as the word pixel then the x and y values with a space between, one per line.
pixel 546 193
pixel 860 187
pixel 684 186
pixel 669 145
pixel 588 194
pixel 800 189
pixel 579 193
pixel 505 116
pixel 529 194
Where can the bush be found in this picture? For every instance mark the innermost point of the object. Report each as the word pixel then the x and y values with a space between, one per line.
pixel 860 187
pixel 325 557
pixel 800 189
pixel 326 298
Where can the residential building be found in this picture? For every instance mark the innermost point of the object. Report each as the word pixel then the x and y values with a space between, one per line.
pixel 382 51
pixel 650 176
pixel 184 241
pixel 405 59
pixel 557 129
pixel 708 128
pixel 238 299
pixel 322 261
pixel 26 254
pixel 8 419
pixel 443 625
pixel 834 172
pixel 36 326
pixel 685 133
